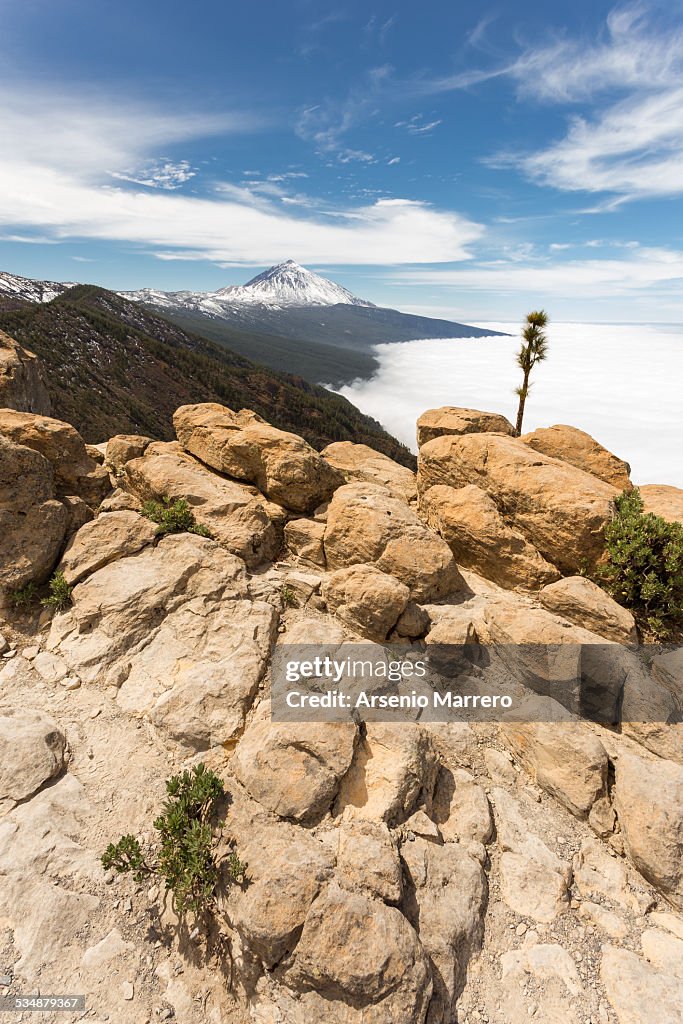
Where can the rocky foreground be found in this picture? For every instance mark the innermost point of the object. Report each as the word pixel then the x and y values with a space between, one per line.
pixel 397 874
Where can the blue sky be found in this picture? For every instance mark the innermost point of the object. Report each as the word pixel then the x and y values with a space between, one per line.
pixel 454 159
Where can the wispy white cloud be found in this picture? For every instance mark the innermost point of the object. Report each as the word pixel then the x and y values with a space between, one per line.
pixel 633 53
pixel 643 270
pixel 630 146
pixel 159 174
pixel 417 125
pixel 57 158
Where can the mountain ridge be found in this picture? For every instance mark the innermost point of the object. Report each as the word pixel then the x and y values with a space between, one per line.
pixel 114 367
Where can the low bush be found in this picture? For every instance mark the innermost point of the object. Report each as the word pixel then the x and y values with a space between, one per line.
pixel 185 854
pixel 24 597
pixel 173 517
pixel 644 566
pixel 59 597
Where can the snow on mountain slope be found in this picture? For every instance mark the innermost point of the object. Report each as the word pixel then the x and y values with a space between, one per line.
pixel 284 285
pixel 31 291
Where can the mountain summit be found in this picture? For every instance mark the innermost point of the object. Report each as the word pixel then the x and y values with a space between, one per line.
pixel 289 284
pixel 285 285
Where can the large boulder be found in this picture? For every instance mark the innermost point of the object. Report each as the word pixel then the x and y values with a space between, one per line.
pixel 236 515
pixel 103 540
pixel 287 867
pixel 480 539
pixel 445 904
pixel 64 448
pixel 649 803
pixel 366 524
pixel 586 604
pixel 32 523
pixel 356 950
pixel 451 420
pixel 31 752
pixel 663 500
pixel 561 753
pixel 366 598
pixel 242 445
pixel 581 450
pixel 360 463
pixel 393 772
pixel 294 769
pixel 22 386
pixel 106 634
pixel 561 510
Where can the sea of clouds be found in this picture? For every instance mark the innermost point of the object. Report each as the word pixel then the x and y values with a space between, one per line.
pixel 623 383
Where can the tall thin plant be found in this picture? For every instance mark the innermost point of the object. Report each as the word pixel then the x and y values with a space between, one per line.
pixel 534 350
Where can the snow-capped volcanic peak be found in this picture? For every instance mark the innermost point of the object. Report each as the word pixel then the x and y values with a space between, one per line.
pixel 289 284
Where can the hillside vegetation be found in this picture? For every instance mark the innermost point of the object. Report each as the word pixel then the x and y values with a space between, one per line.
pixel 115 367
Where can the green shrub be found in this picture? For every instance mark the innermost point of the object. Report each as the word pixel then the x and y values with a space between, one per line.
pixel 288 597
pixel 24 597
pixel 173 517
pixel 60 593
pixel 185 859
pixel 644 567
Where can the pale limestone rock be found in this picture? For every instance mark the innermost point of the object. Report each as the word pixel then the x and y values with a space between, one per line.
pixel 304 538
pixel 120 501
pixel 553 975
pixel 637 992
pixel 50 667
pixel 607 920
pixel 444 901
pixel 78 513
pixel 663 950
pixel 663 500
pixel 31 751
pixel 106 950
pixel 393 772
pixel 468 520
pixel 118 610
pixel 366 599
pixel 460 807
pixel 294 769
pixel 123 447
pixel 358 462
pixel 598 873
pixel 358 950
pixel 561 510
pixel 236 515
pixel 413 621
pixel 33 523
pixel 581 450
pixel 586 604
pixel 534 880
pixel 367 859
pixel 365 524
pixel 562 754
pixel 499 766
pixel 649 803
pixel 452 420
pixel 242 445
pixel 103 540
pixel 287 867
pixel 64 448
pixel 671 922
